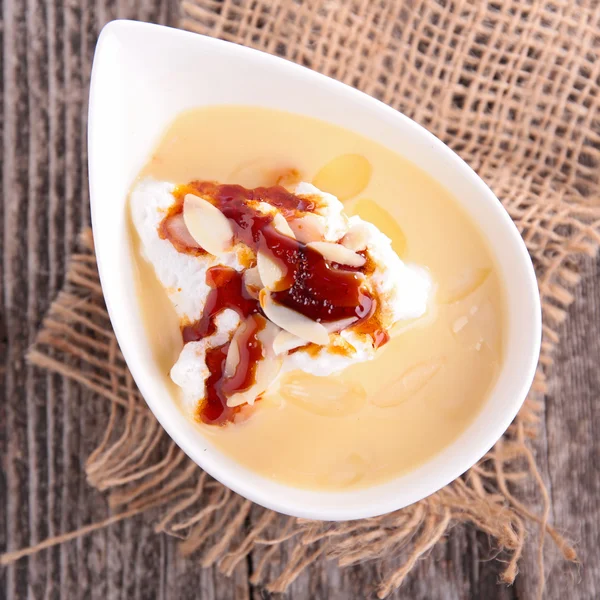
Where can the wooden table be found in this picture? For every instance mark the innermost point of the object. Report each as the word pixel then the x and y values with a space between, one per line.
pixel 49 425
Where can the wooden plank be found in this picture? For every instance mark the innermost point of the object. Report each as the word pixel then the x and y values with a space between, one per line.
pixel 14 255
pixel 573 430
pixel 459 567
pixel 49 426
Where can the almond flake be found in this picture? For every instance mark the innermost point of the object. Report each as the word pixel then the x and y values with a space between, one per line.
pixel 267 371
pixel 338 254
pixel 233 355
pixel 357 237
pixel 308 228
pixel 293 321
pixel 252 282
pixel 468 282
pixel 179 232
pixel 283 226
pixel 267 336
pixel 269 271
pixel 407 384
pixel 207 225
pixel 333 396
pixel 335 326
pixel 285 341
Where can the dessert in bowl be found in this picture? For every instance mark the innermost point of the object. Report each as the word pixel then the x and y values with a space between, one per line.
pixel 321 303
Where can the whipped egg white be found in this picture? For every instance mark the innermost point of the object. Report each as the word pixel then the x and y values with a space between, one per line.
pixel 402 290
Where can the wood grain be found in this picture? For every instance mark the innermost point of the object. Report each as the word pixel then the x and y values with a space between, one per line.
pixel 49 426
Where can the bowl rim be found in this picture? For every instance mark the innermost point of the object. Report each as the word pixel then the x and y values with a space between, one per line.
pixel 249 486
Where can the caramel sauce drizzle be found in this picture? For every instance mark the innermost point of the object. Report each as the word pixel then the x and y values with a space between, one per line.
pixel 312 286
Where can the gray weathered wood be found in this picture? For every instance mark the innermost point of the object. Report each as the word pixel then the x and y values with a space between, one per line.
pixel 49 426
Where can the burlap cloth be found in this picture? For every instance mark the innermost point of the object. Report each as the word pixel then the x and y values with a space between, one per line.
pixel 514 88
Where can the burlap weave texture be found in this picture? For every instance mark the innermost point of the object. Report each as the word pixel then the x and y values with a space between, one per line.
pixel 514 88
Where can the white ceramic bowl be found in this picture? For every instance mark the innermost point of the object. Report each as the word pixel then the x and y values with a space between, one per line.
pixel 143 76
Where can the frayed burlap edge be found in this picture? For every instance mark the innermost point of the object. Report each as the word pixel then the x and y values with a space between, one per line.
pixel 514 89
pixel 142 469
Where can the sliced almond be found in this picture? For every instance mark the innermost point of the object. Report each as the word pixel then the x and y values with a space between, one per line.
pixel 407 384
pixel 233 354
pixel 308 228
pixel 179 232
pixel 267 368
pixel 333 396
pixel 285 341
pixel 338 254
pixel 357 237
pixel 267 371
pixel 267 337
pixel 347 472
pixel 335 326
pixel 252 282
pixel 468 282
pixel 269 271
pixel 264 171
pixel 207 225
pixel 293 321
pixel 232 360
pixel 371 212
pixel 282 225
pixel 345 176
